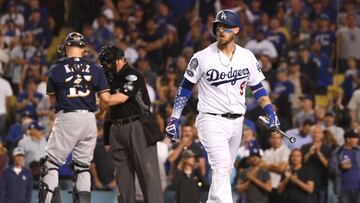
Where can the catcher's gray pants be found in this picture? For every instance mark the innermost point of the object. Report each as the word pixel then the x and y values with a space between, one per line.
pixel 132 154
pixel 72 132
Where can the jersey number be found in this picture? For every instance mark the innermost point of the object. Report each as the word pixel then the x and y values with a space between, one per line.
pixel 242 86
pixel 74 92
pixel 78 89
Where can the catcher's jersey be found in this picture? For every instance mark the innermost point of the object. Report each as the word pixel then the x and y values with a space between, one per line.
pixel 221 81
pixel 75 82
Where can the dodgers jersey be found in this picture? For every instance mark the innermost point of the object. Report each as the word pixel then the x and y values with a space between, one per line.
pixel 221 81
pixel 75 81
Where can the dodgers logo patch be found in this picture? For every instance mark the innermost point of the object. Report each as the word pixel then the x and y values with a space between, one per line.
pixel 190 72
pixel 194 63
pixel 258 66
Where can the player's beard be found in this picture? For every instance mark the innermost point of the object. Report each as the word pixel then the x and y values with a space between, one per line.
pixel 225 40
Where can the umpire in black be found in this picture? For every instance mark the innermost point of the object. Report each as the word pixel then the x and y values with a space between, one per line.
pixel 133 131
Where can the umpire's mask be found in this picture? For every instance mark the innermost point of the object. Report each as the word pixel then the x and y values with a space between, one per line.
pixel 108 56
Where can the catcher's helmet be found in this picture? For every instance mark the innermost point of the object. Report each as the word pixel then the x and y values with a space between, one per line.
pixel 226 17
pixel 109 54
pixel 74 39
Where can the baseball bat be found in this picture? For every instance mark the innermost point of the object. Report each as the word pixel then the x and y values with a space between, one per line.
pixel 264 122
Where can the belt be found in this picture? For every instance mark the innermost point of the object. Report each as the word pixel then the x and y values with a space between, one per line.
pixel 76 111
pixel 227 115
pixel 124 121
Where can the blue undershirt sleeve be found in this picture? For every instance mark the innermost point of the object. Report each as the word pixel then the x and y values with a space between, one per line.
pixel 182 96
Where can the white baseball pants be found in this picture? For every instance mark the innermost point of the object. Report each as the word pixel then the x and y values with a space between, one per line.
pixel 221 138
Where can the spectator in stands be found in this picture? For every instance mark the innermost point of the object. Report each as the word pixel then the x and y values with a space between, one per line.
pixel 301 134
pixel 172 46
pixel 307 111
pixel 305 31
pixel 152 40
pixel 188 182
pixel 11 32
pixel 5 94
pixel 39 29
pixel 276 36
pixel 101 33
pixel 345 166
pixel 20 56
pixel 255 181
pixel 256 11
pixel 354 108
pixel 165 17
pixel 329 140
pixel 319 112
pixel 17 131
pixel 302 85
pixel 307 65
pixel 316 11
pixel 316 158
pixel 268 70
pixel 262 46
pixel 275 160
pixel 325 36
pixel 323 61
pixel 102 167
pixel 351 81
pixel 36 70
pixel 13 15
pixel 130 53
pixel 109 11
pixel 349 39
pixel 336 131
pixel 4 158
pixel 34 144
pixel 195 37
pixel 293 16
pixel 29 99
pixel 92 45
pixel 187 141
pixel 265 23
pixel 248 140
pixel 291 49
pixel 4 54
pixel 16 182
pixel 282 92
pixel 297 183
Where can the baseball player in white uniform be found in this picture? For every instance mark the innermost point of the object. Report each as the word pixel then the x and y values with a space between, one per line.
pixel 222 71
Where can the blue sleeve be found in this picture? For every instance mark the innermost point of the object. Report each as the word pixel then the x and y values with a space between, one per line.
pixel 101 84
pixel 259 91
pixel 50 84
pixel 182 95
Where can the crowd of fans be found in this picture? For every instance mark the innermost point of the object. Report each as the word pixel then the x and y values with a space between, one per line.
pixel 309 52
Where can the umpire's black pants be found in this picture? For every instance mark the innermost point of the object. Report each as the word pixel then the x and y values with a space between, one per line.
pixel 131 154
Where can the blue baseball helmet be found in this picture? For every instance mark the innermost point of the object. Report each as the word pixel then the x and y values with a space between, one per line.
pixel 226 17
